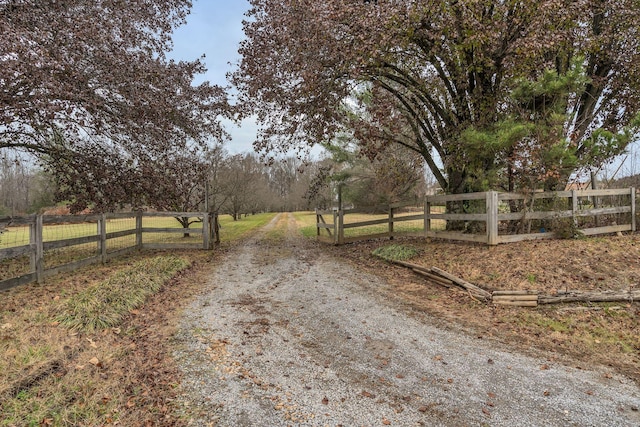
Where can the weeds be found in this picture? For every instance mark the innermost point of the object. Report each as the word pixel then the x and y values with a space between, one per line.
pixel 105 304
pixel 396 252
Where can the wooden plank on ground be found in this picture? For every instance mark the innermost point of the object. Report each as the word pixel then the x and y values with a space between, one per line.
pixel 515 292
pixel 433 278
pixel 518 303
pixel 515 298
pixel 591 297
pixel 477 291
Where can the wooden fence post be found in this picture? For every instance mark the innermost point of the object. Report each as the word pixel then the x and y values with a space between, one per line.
pixel 335 227
pixel 633 208
pixel 33 257
pixel 427 216
pixel 216 228
pixel 102 243
pixel 39 253
pixel 317 223
pixel 206 231
pixel 574 207
pixel 492 217
pixel 139 229
pixel 341 227
pixel 390 223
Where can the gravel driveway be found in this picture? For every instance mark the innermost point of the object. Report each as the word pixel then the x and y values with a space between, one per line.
pixel 284 334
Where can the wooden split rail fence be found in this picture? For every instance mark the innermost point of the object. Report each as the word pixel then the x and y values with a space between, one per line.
pixel 492 217
pixel 38 245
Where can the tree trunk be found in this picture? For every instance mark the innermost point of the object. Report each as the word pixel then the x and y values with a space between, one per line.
pixel 185 224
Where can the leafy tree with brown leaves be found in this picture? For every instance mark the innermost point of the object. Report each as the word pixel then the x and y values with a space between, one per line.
pixel 424 74
pixel 86 87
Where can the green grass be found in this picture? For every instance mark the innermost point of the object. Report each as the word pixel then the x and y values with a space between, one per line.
pixel 231 230
pixel 396 252
pixel 306 223
pixel 105 304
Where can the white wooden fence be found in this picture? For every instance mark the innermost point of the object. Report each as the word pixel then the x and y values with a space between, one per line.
pixel 38 246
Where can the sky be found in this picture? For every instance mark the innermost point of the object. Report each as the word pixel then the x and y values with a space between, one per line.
pixel 214 29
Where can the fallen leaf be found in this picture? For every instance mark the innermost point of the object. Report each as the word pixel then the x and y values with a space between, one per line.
pixel 491 395
pixel 546 393
pixel 92 343
pixel 96 362
pixel 325 401
pixel 589 392
pixel 449 380
pixel 386 422
pixel 490 361
pixel 367 394
pixel 400 376
pixel 544 367
pixel 423 409
pixel 6 326
pixel 56 298
pixel 486 412
pixel 46 422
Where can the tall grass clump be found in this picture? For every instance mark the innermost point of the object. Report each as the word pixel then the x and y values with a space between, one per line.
pixel 105 304
pixel 396 252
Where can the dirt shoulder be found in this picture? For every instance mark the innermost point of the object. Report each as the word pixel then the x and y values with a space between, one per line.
pixel 582 334
pixel 286 332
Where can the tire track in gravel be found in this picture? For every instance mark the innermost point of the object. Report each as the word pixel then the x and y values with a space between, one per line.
pixel 284 334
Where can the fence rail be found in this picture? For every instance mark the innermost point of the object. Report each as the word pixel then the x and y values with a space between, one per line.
pixel 493 218
pixel 95 236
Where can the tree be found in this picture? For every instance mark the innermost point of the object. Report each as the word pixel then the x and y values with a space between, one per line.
pixel 395 175
pixel 85 86
pixel 245 184
pixel 433 71
pixel 23 188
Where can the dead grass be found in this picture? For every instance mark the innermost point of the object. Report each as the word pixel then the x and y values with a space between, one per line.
pixel 580 334
pixel 54 375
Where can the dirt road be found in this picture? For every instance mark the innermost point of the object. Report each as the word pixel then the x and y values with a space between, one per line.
pixel 284 334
